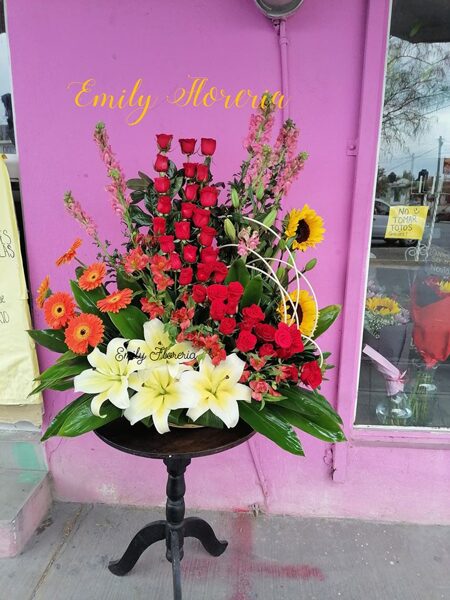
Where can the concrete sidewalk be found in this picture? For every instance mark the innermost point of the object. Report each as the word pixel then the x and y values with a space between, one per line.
pixel 268 558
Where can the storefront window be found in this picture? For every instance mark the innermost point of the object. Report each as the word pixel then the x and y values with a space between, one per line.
pixel 405 365
pixel 7 136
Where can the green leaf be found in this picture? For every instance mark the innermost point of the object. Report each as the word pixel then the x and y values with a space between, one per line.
pixel 140 217
pixel 129 322
pixel 238 272
pixel 252 292
pixel 77 418
pixel 125 281
pixel 273 427
pixel 327 316
pixel 53 339
pixel 209 419
pixel 64 369
pixel 176 185
pixel 332 433
pixel 87 301
pixel 137 184
pixel 310 403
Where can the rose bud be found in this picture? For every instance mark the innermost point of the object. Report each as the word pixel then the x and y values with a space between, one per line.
pixel 187 209
pixel 190 191
pixel 200 217
pixel 208 196
pixel 164 140
pixel 187 145
pixel 208 146
pixel 209 255
pixel 203 272
pixel 164 205
pixel 159 225
pixel 189 169
pixel 199 293
pixel 166 243
pixel 202 173
pixel 162 184
pixel 183 230
pixel 186 275
pixel 206 236
pixel 161 163
pixel 190 253
pixel 175 261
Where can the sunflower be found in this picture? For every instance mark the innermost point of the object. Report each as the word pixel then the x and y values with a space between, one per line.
pixel 58 309
pixel 115 301
pixel 306 311
pixel 444 287
pixel 382 305
pixel 306 227
pixel 92 277
pixel 69 254
pixel 84 330
pixel 43 291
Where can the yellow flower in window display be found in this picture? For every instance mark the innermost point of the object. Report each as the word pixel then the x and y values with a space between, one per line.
pixel 306 227
pixel 109 377
pixel 382 305
pixel 157 349
pixel 306 311
pixel 444 286
pixel 216 388
pixel 157 393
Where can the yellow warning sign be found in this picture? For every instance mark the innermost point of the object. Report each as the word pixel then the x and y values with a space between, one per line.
pixel 406 222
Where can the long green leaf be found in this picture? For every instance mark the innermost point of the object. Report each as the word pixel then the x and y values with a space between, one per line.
pixel 129 322
pixel 253 292
pixel 308 402
pixel 273 427
pixel 238 272
pixel 87 301
pixel 65 369
pixel 332 433
pixel 327 316
pixel 125 281
pixel 53 339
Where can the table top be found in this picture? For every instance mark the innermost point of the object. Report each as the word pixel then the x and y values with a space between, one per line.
pixel 187 443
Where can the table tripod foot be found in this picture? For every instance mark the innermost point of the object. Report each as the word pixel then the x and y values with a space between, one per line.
pixel 202 531
pixel 154 532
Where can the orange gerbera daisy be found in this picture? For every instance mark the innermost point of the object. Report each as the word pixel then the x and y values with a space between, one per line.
pixel 92 277
pixel 70 254
pixel 84 330
pixel 42 291
pixel 58 309
pixel 115 301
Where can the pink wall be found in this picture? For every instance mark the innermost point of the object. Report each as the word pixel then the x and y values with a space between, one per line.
pixel 53 43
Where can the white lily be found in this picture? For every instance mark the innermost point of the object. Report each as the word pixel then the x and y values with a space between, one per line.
pixel 216 388
pixel 157 394
pixel 156 349
pixel 109 377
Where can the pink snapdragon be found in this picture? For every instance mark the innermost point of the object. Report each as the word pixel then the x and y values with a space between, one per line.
pixel 289 174
pixel 75 209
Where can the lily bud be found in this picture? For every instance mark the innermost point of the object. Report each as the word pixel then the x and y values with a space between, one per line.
pixel 229 229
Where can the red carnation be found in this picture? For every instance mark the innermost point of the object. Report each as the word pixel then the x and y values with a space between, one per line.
pixel 201 217
pixel 190 253
pixel 199 293
pixel 186 275
pixel 265 332
pixel 209 255
pixel 217 310
pixel 164 140
pixel 175 261
pixel 283 337
pixel 190 191
pixel 208 146
pixel 164 205
pixel 202 173
pixel 220 271
pixel 227 325
pixel 166 243
pixel 208 196
pixel 162 184
pixel 204 271
pixel 311 374
pixel 206 236
pixel 217 292
pixel 266 350
pixel 246 341
pixel 183 230
pixel 235 291
pixel 161 163
pixel 253 313
pixel 187 145
pixel 187 208
pixel 159 225
pixel 189 169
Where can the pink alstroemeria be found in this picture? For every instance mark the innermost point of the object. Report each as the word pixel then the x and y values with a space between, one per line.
pixel 247 241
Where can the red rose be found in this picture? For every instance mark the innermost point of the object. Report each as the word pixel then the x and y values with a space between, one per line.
pixel 217 310
pixel 204 272
pixel 187 208
pixel 186 275
pixel 164 140
pixel 164 205
pixel 175 261
pixel 183 230
pixel 189 169
pixel 227 325
pixel 220 271
pixel 201 217
pixel 232 307
pixel 208 146
pixel 161 163
pixel 265 332
pixel 311 374
pixel 206 236
pixel 217 292
pixel 246 341
pixel 166 243
pixel 162 184
pixel 202 173
pixel 159 225
pixel 296 338
pixel 208 196
pixel 291 372
pixel 190 253
pixel 199 293
pixel 266 350
pixel 190 191
pixel 247 324
pixel 253 313
pixel 208 255
pixel 235 291
pixel 283 337
pixel 187 145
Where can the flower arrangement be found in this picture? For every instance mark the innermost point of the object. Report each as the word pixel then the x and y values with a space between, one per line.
pixel 382 311
pixel 204 318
